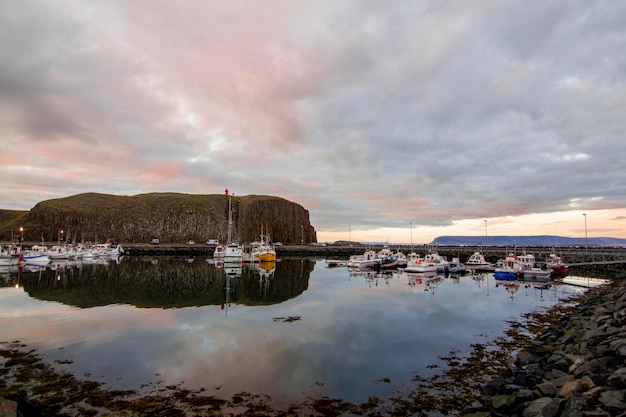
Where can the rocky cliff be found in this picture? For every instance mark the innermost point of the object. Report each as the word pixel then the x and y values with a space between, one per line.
pixel 170 217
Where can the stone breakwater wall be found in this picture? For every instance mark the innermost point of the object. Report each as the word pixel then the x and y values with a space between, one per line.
pixel 577 368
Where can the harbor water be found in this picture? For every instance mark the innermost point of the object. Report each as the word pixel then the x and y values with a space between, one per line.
pixel 293 328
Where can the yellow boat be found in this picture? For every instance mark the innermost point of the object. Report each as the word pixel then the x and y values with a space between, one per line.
pixel 263 251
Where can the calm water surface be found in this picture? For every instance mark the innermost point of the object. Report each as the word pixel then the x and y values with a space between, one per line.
pixel 298 328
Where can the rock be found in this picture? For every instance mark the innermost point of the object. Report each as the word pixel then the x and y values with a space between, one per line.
pixel 617 379
pixel 547 389
pixel 569 389
pixel 8 408
pixel 543 407
pixel 576 406
pixel 613 401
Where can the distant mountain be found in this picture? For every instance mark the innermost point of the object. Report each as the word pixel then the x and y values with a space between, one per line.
pixel 543 240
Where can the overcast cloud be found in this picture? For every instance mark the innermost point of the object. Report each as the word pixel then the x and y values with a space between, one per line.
pixel 368 113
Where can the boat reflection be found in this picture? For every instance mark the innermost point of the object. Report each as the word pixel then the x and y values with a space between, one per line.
pixel 426 281
pixel 169 283
pixel 373 278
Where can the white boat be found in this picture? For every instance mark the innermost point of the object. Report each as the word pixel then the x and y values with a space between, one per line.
pixel 58 252
pixel 9 260
pixel 219 251
pixel 418 265
pixel 440 261
pixel 477 262
pixel 530 272
pixel 85 252
pixel 232 251
pixel 368 260
pixel 10 256
pixel 108 250
pixel 36 254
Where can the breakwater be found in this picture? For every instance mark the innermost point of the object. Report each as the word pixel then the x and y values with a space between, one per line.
pixel 577 368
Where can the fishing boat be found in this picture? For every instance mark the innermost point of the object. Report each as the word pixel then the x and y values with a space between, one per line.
pixel 440 261
pixel 456 267
pixel 263 251
pixel 509 270
pixel 555 264
pixel 477 262
pixel 417 264
pixel 9 258
pixel 530 272
pixel 368 260
pixel 37 254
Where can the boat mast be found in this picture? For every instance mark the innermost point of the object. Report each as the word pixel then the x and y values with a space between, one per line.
pixel 230 219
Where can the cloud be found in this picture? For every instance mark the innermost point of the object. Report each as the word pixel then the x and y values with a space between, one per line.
pixel 366 113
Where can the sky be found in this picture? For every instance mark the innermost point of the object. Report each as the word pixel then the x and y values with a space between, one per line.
pixel 388 120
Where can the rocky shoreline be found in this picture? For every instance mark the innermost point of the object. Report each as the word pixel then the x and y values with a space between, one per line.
pixel 577 368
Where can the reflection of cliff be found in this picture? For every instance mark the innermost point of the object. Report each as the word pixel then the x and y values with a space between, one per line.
pixel 163 283
pixel 288 280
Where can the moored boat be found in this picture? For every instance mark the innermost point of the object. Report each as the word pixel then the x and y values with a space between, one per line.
pixel 530 272
pixel 417 264
pixel 456 267
pixel 368 260
pixel 555 264
pixel 263 251
pixel 477 262
pixel 10 255
pixel 441 262
pixel 509 270
pixel 36 254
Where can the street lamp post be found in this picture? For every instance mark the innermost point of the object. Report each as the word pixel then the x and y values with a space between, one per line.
pixel 21 237
pixel 586 243
pixel 485 231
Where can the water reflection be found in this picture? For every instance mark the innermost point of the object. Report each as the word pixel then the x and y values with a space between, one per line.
pixel 167 282
pixel 278 329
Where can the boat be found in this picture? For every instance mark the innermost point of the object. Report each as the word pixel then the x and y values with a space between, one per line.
pixel 108 250
pixel 456 267
pixel 417 264
pixel 477 262
pixel 555 264
pixel 36 254
pixel 58 252
pixel 10 255
pixel 440 261
pixel 263 251
pixel 219 251
pixel 333 263
pixel 368 260
pixel 530 272
pixel 509 270
pixel 233 251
